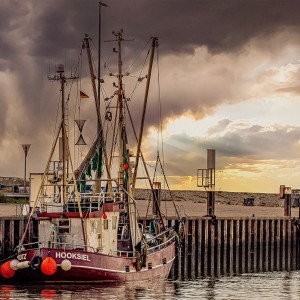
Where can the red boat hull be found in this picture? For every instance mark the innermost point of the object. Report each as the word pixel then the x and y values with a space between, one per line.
pixel 96 267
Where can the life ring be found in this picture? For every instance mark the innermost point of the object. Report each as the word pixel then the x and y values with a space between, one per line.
pixel 35 263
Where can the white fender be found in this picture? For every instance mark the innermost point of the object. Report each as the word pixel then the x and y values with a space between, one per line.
pixel 13 264
pixel 66 265
pixel 23 264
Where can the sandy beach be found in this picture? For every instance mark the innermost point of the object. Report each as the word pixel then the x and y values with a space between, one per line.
pixel 192 204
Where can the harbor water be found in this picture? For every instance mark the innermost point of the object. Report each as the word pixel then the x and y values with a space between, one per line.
pixel 269 285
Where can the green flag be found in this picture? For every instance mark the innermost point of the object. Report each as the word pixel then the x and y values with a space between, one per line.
pixel 95 161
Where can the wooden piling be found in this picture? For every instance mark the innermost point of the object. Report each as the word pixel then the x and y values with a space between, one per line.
pixel 272 237
pixel 243 261
pixel 186 253
pixel 211 248
pixel 225 264
pixel 295 245
pixel 249 246
pixel 237 256
pixel 288 248
pixel 11 234
pixel 193 250
pixel 218 261
pixel 283 237
pixel 254 242
pixel 231 247
pixel 267 238
pixel 261 245
pixel 206 224
pixel 278 252
pixel 178 261
pixel 199 273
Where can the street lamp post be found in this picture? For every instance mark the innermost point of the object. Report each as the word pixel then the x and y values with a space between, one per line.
pixel 26 150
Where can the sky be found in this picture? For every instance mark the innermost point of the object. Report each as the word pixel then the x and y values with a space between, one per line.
pixel 228 80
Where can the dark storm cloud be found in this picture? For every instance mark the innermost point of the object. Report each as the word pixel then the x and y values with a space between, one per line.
pixel 180 25
pixel 34 31
pixel 10 13
pixel 222 25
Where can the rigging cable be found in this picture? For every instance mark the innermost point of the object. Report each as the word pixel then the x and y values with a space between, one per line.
pixel 78 103
pixel 74 78
pixel 104 62
pixel 138 81
pixel 131 66
pixel 104 94
pixel 160 127
pixel 55 127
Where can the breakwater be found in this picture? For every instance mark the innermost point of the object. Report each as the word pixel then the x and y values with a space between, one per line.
pixel 211 246
pixel 232 246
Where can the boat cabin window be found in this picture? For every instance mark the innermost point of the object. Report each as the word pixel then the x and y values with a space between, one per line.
pixel 64 226
pixel 105 224
pixel 114 222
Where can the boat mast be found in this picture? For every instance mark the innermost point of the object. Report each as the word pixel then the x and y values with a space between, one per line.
pixel 138 152
pixel 64 157
pixel 62 80
pixel 122 144
pixel 119 39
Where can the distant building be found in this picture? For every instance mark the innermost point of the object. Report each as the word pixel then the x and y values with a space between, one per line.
pixel 12 184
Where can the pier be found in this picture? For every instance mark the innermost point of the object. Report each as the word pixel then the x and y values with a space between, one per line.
pixel 233 246
pixel 211 247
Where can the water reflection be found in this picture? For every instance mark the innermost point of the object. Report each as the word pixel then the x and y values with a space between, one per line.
pixel 6 291
pixel 277 285
pixel 48 294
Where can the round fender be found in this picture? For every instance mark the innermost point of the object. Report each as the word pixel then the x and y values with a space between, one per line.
pixel 35 263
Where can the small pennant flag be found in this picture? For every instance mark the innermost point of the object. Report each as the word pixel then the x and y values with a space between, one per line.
pixel 83 95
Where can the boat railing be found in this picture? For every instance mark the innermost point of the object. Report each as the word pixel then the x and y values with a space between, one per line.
pixel 94 201
pixel 100 197
pixel 50 203
pixel 59 245
pixel 24 247
pixel 71 246
pixel 157 242
pixel 88 201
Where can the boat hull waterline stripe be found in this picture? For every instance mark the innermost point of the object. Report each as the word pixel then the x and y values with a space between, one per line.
pixel 119 271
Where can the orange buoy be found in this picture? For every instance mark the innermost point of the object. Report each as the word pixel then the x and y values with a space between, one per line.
pixel 7 271
pixel 48 266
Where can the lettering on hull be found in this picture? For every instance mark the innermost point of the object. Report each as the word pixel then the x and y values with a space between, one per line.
pixel 75 256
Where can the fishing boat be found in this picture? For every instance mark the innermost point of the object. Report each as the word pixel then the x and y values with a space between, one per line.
pixel 88 230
